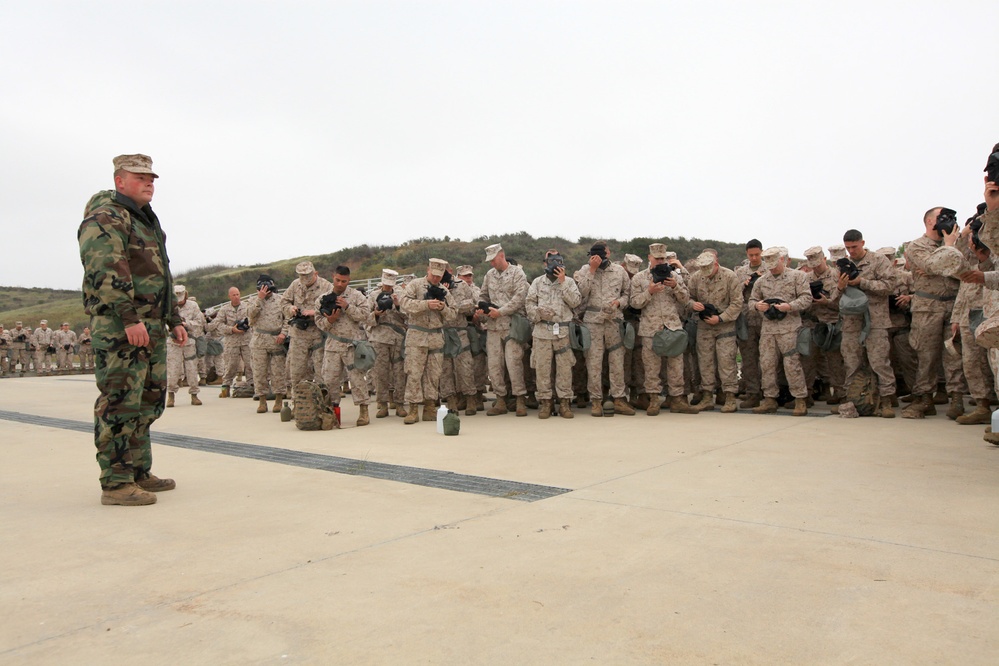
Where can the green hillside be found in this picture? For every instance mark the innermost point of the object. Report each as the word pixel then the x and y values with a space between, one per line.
pixel 210 284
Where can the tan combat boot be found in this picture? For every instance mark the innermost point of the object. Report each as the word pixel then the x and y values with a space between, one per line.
pixel 919 408
pixel 400 410
pixel 752 401
pixel 545 409
pixel 362 417
pixel 127 494
pixel 278 402
pixel 678 405
pixel 621 406
pixel 887 410
pixel 470 405
pixel 412 413
pixel 169 400
pixel 521 405
pixel 800 407
pixel 224 393
pixel 262 405
pixel 382 410
pixel 655 405
pixel 956 406
pixel 596 408
pixel 429 410
pixel 641 401
pixel 768 406
pixel 565 408
pixel 980 416
pixel 991 437
pixel 707 403
pixel 154 484
pixel 195 400
pixel 499 407
pixel 731 404
pixel 940 397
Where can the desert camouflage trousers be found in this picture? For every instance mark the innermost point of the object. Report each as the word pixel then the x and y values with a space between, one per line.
pixel 64 358
pixel 653 370
pixel 182 361
pixel 233 356
pixel 87 357
pixel 305 355
pixel 874 353
pixel 716 350
pixel 749 349
pixel 389 373
pixel 4 363
pixel 926 336
pixel 131 381
pixel 269 367
pixel 903 356
pixel 507 355
pixel 975 360
pixel 338 364
pixel 774 348
pixel 19 355
pixel 423 373
pixel 458 373
pixel 543 352
pixel 606 337
pixel 43 362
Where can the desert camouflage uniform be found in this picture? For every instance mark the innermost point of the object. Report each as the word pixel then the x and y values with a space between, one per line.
pixel 4 349
pixel 341 337
pixel 903 356
pixel 974 357
pixel 779 338
pixel 235 344
pixel 424 342
pixel 932 304
pixel 877 282
pixel 550 343
pixel 305 355
pixel 19 348
pixel 458 373
pixel 86 343
pixel 827 365
pixel 718 342
pixel 599 290
pixel 386 332
pixel 480 361
pixel 214 362
pixel 64 342
pixel 507 290
pixel 749 348
pixel 126 280
pixel 267 355
pixel 42 339
pixel 182 360
pixel 660 310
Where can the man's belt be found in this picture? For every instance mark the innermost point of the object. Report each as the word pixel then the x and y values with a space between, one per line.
pixel 425 329
pixel 274 333
pixel 935 297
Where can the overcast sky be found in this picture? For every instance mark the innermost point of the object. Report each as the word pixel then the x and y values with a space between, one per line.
pixel 281 129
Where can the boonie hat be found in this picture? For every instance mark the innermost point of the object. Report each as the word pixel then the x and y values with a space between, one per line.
pixel 137 163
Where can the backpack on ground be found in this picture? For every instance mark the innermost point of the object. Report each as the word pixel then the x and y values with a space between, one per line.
pixel 313 409
pixel 862 391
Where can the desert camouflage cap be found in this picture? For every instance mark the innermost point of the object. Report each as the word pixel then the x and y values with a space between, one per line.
pixel 389 277
pixel 837 251
pixel 65 323
pixel 815 256
pixel 887 251
pixel 134 164
pixel 305 268
pixel 437 266
pixel 17 323
pixel 657 250
pixel 632 263
pixel 987 333
pixel 947 260
pixel 492 251
pixel 464 270
pixel 44 321
pixel 179 289
pixel 705 261
pixel 669 255
pixel 771 256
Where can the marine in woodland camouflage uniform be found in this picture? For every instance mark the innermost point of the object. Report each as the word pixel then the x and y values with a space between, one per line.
pixel 386 332
pixel 749 349
pixel 305 355
pixel 424 342
pixel 779 337
pixel 344 328
pixel 604 287
pixel 235 341
pixel 661 303
pixel 182 357
pixel 267 351
pixel 65 344
pixel 549 304
pixel 505 286
pixel 716 339
pixel 44 343
pixel 127 293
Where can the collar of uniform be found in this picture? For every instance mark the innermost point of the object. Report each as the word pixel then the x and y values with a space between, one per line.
pixel 144 213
